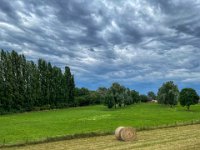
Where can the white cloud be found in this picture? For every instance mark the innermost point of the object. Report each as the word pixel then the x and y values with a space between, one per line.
pixel 104 41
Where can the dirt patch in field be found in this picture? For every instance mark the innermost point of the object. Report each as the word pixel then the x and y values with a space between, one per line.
pixel 183 138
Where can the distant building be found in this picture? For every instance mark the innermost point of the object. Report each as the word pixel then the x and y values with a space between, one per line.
pixel 154 101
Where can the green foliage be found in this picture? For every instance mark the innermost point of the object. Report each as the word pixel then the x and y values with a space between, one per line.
pixel 144 98
pixel 135 96
pixel 187 97
pixel 119 96
pixel 168 94
pixel 84 97
pixel 17 128
pixel 102 91
pixel 82 100
pixel 25 85
pixel 117 90
pixel 68 87
pixel 151 95
pixel 81 91
pixel 109 100
pixel 128 100
pixel 95 97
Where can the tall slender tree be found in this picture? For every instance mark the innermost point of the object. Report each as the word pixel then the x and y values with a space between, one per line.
pixel 42 66
pixel 69 86
pixel 25 85
pixel 1 83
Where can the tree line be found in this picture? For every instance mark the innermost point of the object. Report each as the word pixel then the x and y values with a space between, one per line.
pixel 169 94
pixel 115 96
pixel 119 96
pixel 26 86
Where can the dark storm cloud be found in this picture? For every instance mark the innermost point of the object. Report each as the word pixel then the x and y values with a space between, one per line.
pixel 104 41
pixel 8 9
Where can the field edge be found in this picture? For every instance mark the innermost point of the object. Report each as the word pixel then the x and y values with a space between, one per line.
pixel 94 134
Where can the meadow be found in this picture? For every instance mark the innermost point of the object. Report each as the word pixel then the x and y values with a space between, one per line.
pixel 38 126
pixel 176 138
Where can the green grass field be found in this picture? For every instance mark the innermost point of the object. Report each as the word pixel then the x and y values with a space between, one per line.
pixel 176 138
pixel 19 128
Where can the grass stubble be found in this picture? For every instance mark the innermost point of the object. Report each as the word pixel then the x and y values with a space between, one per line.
pixel 181 137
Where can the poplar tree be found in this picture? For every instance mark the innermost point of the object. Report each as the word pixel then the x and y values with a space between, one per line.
pixel 25 85
pixel 69 86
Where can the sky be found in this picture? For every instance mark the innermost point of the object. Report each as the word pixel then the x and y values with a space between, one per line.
pixel 137 43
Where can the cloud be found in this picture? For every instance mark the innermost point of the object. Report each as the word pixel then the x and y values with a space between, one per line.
pixel 137 43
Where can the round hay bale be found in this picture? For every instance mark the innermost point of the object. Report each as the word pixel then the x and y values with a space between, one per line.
pixel 128 134
pixel 117 133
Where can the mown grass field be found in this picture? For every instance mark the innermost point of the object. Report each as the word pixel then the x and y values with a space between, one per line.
pixel 176 138
pixel 25 127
